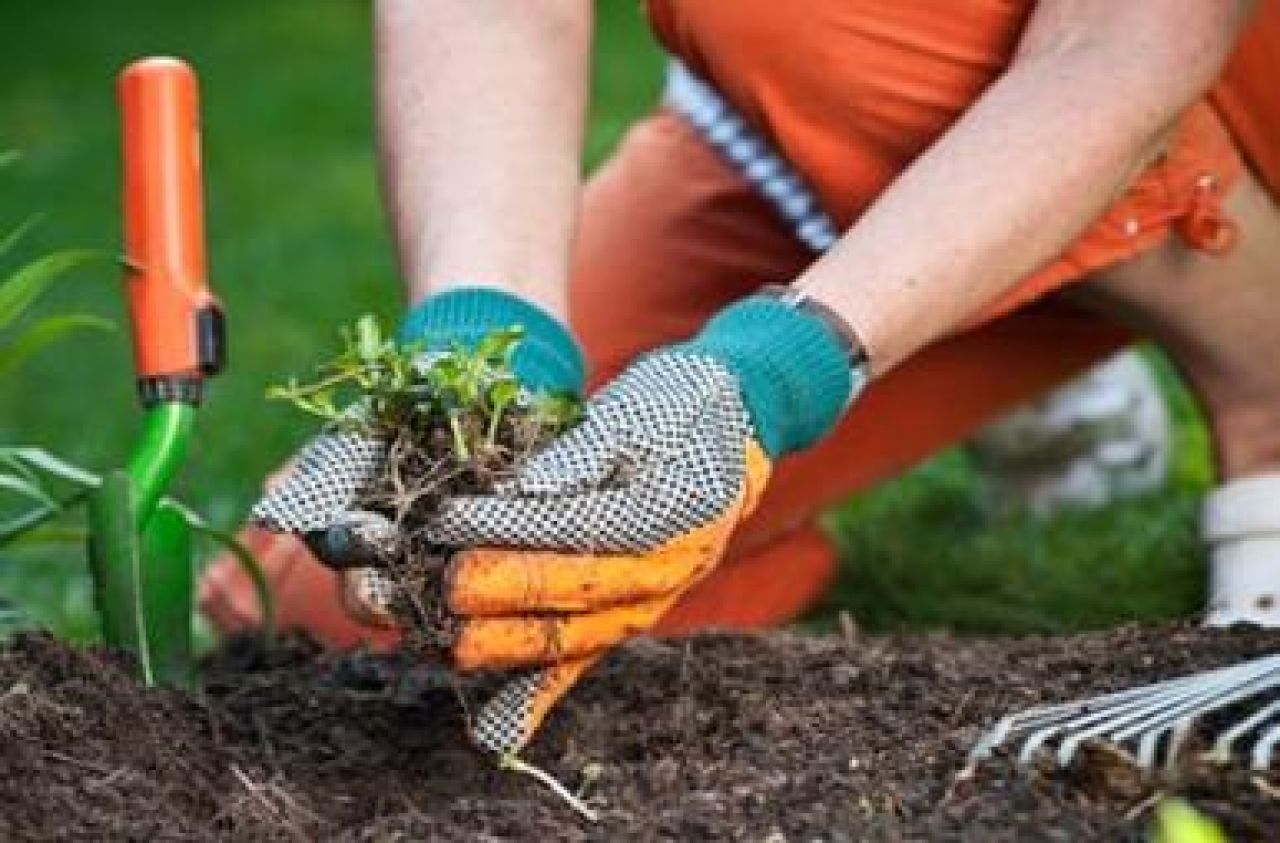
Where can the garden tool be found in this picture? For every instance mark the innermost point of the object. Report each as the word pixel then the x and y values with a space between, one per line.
pixel 140 546
pixel 1155 720
pixel 1241 526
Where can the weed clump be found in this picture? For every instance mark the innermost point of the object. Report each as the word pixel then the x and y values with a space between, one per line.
pixel 455 421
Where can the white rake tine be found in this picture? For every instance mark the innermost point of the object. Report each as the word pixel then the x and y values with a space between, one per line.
pixel 1046 714
pixel 1176 740
pixel 1262 749
pixel 1237 687
pixel 1167 709
pixel 1135 701
pixel 1223 746
pixel 1182 728
pixel 1156 697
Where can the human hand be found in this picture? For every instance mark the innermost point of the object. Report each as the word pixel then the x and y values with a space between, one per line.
pixel 596 537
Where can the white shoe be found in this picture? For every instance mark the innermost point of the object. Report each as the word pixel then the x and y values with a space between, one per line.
pixel 1240 525
pixel 1103 436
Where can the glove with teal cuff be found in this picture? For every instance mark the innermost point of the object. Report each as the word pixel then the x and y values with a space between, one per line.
pixel 317 500
pixel 597 536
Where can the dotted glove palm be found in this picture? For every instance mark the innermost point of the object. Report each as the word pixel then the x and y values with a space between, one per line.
pixel 319 498
pixel 599 535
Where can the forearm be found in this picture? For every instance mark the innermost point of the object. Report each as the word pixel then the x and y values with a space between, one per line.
pixel 1036 159
pixel 480 110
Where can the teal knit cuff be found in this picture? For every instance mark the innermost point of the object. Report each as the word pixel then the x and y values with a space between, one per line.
pixel 794 371
pixel 548 358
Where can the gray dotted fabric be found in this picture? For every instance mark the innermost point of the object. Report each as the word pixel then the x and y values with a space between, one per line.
pixel 502 724
pixel 332 470
pixel 658 453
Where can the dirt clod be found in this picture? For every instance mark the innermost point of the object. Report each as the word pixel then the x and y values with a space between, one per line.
pixel 721 737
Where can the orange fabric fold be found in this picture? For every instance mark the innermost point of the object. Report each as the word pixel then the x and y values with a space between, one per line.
pixel 852 92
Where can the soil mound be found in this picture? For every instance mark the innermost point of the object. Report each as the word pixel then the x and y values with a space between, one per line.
pixel 718 737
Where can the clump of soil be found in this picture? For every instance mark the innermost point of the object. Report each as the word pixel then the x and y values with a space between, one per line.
pixel 456 422
pixel 718 737
pixel 423 468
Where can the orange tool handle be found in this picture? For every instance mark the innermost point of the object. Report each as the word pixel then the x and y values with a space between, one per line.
pixel 177 323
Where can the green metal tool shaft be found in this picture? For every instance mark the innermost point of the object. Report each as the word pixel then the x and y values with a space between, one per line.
pixel 166 434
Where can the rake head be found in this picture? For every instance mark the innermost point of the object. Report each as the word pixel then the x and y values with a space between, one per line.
pixel 1240 705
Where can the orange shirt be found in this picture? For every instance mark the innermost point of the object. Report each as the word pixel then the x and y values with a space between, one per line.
pixel 851 91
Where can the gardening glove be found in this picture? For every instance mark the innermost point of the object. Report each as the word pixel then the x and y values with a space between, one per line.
pixel 318 499
pixel 624 513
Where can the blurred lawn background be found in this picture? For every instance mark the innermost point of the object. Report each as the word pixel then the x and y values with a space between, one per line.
pixel 297 247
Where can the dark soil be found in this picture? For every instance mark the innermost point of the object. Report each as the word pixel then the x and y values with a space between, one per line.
pixel 772 737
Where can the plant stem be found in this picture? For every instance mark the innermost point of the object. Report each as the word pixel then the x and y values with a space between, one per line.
pixel 511 762
pixel 491 433
pixel 459 441
pixel 302 390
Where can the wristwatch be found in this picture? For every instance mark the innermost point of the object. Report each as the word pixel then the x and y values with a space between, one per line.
pixel 799 299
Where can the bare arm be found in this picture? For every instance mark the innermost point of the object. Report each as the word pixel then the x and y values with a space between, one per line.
pixel 1088 100
pixel 480 108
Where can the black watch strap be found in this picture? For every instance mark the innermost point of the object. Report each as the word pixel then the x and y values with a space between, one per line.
pixel 800 300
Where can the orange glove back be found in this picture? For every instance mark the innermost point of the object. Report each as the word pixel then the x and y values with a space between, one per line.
pixel 615 520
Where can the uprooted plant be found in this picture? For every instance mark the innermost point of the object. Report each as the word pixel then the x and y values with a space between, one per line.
pixel 455 421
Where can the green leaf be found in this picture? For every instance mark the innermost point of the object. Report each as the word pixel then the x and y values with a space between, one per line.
pixel 45 332
pixel 497 346
pixel 1178 822
pixel 503 392
pixel 44 461
pixel 16 528
pixel 26 488
pixel 368 338
pixel 9 156
pixel 247 561
pixel 23 287
pixel 11 239
pixel 51 535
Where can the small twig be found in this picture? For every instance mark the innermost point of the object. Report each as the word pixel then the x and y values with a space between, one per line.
pixel 92 766
pixel 278 812
pixel 848 628
pixel 511 762
pixel 959 780
pixel 1143 806
pixel 961 706
pixel 1266 788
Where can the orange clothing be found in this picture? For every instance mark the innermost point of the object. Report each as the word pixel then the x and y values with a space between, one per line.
pixel 1247 97
pixel 855 91
pixel 850 93
pixel 670 234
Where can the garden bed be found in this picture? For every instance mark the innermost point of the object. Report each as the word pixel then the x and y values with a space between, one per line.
pixel 718 737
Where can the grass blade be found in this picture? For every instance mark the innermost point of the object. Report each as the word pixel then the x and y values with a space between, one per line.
pixel 21 230
pixel 15 528
pixel 26 488
pixel 25 285
pixel 47 331
pixel 51 535
pixel 247 561
pixel 44 461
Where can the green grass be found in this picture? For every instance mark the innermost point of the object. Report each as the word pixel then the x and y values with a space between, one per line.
pixel 297 247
